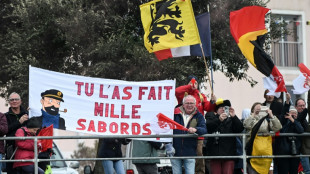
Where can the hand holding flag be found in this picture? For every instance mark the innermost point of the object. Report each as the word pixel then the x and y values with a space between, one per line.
pixel 164 120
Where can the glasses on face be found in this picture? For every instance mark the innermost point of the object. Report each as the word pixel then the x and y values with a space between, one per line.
pixel 301 106
pixel 188 103
pixel 14 99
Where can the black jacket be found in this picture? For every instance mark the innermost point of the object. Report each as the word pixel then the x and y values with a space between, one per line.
pixel 13 123
pixel 275 107
pixel 283 144
pixel 222 146
pixel 111 147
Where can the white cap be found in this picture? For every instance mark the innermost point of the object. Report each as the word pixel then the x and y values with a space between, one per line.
pixel 246 113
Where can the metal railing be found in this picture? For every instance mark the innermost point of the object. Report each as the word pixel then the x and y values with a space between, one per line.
pixel 244 157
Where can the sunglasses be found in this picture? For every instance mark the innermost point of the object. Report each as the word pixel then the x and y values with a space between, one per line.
pixel 14 99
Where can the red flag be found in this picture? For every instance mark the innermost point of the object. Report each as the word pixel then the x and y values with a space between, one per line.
pixel 301 83
pixel 46 143
pixel 247 26
pixel 304 69
pixel 162 120
pixel 279 80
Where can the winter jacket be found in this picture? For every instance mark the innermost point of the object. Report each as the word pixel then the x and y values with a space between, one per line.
pixel 3 130
pixel 145 149
pixel 13 123
pixel 25 148
pixel 202 103
pixel 187 146
pixel 222 146
pixel 270 124
pixel 283 144
pixel 111 147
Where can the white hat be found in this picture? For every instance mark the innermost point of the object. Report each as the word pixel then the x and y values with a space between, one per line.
pixel 246 113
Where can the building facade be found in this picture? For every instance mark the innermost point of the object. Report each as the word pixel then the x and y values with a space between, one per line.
pixel 287 52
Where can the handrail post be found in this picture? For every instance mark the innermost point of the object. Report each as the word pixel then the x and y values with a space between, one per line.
pixel 244 153
pixel 35 155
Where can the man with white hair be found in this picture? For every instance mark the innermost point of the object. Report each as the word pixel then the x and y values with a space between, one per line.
pixel 188 116
pixel 16 117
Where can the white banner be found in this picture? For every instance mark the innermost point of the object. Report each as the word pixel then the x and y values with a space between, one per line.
pixel 99 106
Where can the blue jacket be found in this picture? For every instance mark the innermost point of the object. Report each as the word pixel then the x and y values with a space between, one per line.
pixel 187 146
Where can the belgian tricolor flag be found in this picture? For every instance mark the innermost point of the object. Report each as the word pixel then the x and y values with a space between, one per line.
pixel 247 26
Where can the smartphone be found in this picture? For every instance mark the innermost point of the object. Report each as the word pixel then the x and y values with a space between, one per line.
pixel 227 110
pixel 263 111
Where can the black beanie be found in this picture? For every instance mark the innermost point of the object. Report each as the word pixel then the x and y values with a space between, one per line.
pixel 221 103
pixel 33 122
pixel 191 77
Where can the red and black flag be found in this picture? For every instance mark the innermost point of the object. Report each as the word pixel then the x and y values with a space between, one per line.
pixel 247 26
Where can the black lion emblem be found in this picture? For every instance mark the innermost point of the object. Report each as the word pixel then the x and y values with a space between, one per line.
pixel 160 25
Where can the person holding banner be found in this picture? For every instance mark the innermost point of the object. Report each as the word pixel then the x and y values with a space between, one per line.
pixel 202 105
pixel 111 148
pixel 188 116
pixel 16 118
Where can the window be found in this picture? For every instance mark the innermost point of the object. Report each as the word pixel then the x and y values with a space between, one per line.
pixel 287 50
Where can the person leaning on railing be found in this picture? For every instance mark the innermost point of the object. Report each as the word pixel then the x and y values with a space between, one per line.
pixel 222 122
pixel 25 148
pixel 3 131
pixel 291 123
pixel 16 118
pixel 260 123
pixel 305 147
pixel 111 148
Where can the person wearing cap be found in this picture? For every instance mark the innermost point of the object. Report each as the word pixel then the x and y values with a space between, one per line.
pixel 222 121
pixel 25 148
pixel 291 122
pixel 16 118
pixel 202 105
pixel 51 100
pixel 259 124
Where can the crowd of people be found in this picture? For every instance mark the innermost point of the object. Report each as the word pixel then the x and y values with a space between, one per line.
pixel 200 116
pixel 16 123
pixel 218 117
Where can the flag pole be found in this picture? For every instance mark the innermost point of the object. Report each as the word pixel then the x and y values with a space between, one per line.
pixel 210 50
pixel 207 70
pixel 205 62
